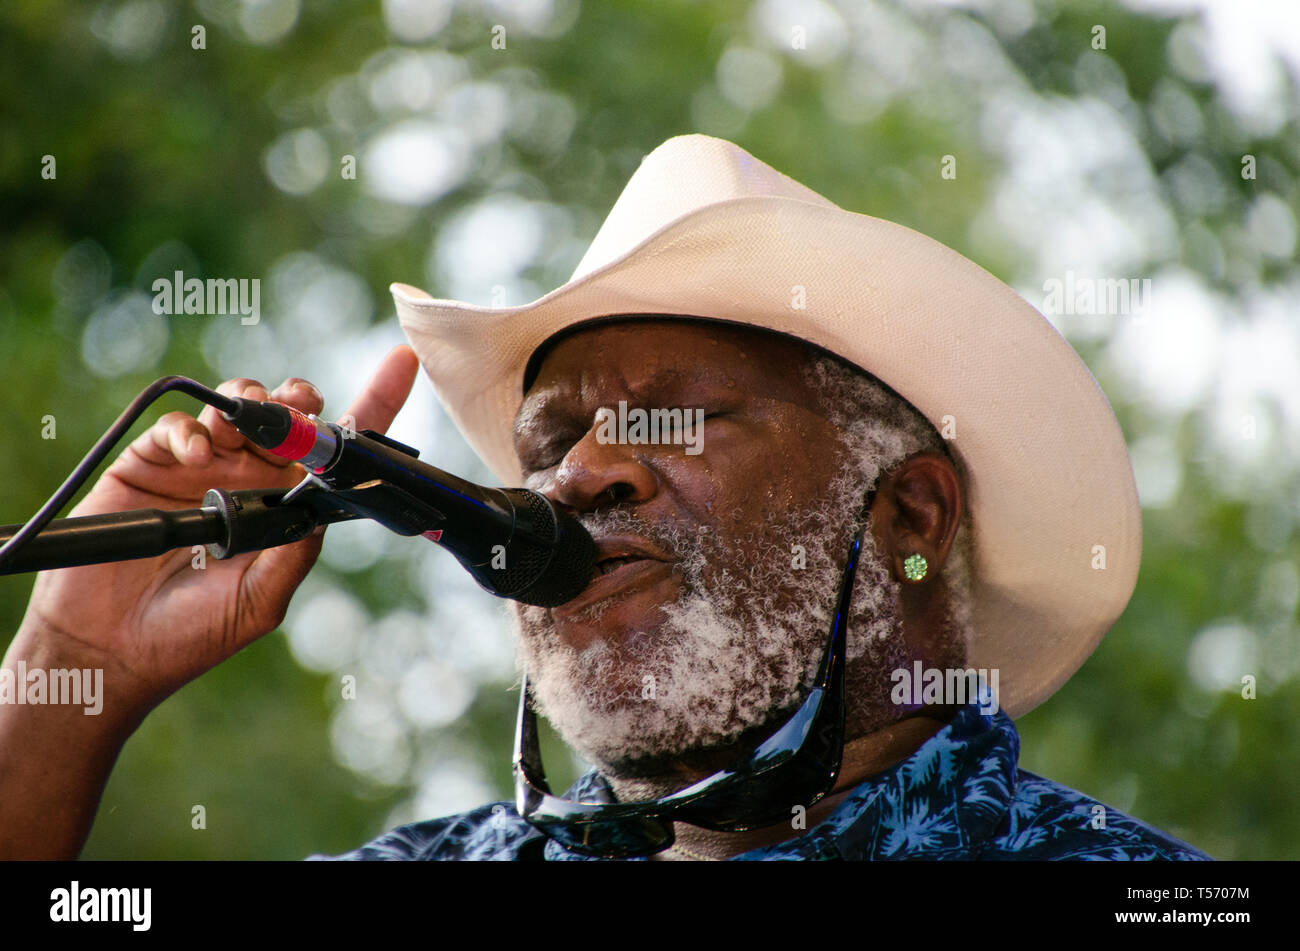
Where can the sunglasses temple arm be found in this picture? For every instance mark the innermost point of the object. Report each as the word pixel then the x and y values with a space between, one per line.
pixel 528 757
pixel 844 598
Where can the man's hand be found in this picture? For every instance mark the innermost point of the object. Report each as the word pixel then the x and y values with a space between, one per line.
pixel 154 624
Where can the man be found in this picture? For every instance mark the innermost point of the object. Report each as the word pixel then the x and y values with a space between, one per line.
pixel 824 543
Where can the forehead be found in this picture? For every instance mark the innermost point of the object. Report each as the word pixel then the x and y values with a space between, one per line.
pixel 646 352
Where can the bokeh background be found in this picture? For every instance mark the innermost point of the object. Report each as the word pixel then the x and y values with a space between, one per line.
pixel 483 169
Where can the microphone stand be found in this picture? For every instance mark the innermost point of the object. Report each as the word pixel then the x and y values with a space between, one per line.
pixel 228 523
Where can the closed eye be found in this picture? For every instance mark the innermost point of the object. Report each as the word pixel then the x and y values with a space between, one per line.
pixel 550 455
pixel 546 456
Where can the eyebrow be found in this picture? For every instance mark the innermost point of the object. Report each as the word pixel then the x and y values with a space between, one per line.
pixel 573 422
pixel 534 404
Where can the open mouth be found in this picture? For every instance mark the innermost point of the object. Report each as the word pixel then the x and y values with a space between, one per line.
pixel 624 563
pixel 613 564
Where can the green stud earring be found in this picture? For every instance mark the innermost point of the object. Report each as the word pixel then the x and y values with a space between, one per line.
pixel 915 567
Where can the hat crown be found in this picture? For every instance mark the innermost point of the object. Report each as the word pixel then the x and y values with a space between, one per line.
pixel 685 174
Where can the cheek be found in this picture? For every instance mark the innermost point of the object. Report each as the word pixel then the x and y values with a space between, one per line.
pixel 751 474
pixel 697 483
pixel 758 498
pixel 789 468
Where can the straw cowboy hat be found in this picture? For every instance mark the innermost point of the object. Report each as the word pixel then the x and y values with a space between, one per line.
pixel 704 229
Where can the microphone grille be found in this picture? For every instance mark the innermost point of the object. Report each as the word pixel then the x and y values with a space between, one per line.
pixel 559 572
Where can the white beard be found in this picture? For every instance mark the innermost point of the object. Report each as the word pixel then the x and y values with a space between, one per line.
pixel 741 643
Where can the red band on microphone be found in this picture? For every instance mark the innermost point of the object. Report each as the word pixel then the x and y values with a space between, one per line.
pixel 301 438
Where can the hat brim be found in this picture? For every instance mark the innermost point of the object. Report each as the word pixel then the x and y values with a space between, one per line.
pixel 1054 507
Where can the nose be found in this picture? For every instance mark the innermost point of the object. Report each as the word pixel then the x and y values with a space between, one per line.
pixel 596 475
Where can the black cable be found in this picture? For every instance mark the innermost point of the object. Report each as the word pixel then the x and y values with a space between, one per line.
pixel 101 449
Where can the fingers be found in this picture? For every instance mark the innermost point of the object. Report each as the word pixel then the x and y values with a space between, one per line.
pixel 176 437
pixel 300 394
pixel 295 392
pixel 386 391
pixel 224 435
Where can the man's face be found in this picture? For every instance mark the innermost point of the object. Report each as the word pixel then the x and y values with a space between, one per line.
pixel 712 610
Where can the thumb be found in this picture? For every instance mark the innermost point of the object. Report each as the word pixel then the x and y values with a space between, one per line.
pixel 386 391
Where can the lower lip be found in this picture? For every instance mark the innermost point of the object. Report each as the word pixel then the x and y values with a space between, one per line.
pixel 633 574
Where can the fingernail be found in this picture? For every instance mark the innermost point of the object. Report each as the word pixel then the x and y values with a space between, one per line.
pixel 310 389
pixel 194 445
pixel 257 393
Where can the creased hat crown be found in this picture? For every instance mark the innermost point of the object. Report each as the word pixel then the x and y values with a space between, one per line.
pixel 684 174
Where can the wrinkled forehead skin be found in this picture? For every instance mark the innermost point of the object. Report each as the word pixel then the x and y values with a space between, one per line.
pixel 662 363
pixel 725 328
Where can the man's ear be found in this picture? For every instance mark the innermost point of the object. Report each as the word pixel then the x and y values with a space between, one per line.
pixel 917 512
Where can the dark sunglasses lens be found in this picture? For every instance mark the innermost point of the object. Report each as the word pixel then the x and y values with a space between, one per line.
pixel 755 806
pixel 807 764
pixel 621 838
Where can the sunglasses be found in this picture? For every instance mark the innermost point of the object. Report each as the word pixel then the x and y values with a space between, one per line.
pixel 797 765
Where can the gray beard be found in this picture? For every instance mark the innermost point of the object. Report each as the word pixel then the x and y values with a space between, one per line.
pixel 737 650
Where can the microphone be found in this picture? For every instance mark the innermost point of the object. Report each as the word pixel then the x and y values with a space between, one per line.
pixel 513 542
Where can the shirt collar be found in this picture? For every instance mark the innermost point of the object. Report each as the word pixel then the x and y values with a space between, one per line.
pixel 944 801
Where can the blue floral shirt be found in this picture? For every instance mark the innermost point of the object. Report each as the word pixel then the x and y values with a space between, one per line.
pixel 959 796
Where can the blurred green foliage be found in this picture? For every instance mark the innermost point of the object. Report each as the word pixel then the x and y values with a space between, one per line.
pixel 162 145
